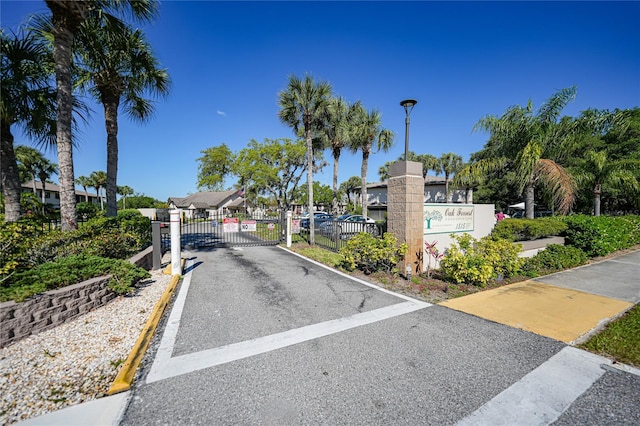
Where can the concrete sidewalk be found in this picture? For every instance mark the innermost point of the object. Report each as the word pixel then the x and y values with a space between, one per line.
pixel 568 306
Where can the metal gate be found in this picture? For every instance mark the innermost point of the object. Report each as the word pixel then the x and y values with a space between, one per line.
pixel 231 231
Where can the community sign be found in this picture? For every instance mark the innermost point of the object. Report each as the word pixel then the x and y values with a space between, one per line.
pixel 447 218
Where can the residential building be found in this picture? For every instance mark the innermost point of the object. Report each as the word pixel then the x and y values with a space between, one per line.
pixel 52 193
pixel 209 204
pixel 434 192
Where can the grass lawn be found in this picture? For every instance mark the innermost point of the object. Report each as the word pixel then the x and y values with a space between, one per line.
pixel 620 340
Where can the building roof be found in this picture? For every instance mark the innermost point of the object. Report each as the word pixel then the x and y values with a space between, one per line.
pixel 204 200
pixel 52 187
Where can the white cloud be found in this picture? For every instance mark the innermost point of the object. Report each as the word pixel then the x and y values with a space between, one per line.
pixel 222 113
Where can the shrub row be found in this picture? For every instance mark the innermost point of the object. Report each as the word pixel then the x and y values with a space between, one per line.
pixel 601 235
pixel 554 258
pixel 24 245
pixel 71 270
pixel 528 229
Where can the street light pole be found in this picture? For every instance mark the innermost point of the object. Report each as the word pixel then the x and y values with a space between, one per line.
pixel 408 105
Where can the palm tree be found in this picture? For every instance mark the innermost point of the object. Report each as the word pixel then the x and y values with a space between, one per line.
pixel 337 130
pixel 125 191
pixel 369 137
pixel 44 170
pixel 303 106
pixel 26 100
pixel 118 68
pixel 28 159
pixel 450 164
pixel 84 182
pixel 524 141
pixel 67 18
pixel 429 162
pixel 597 171
pixel 350 186
pixel 98 181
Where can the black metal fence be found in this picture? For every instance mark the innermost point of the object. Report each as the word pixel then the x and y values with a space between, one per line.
pixel 224 231
pixel 333 235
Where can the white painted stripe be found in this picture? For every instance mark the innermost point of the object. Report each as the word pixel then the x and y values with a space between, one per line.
pixel 541 396
pixel 197 361
pixel 165 349
pixel 368 284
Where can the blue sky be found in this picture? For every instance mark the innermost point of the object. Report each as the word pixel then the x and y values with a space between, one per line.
pixel 460 60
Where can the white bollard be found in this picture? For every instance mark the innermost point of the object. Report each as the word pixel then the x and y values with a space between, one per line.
pixel 289 215
pixel 176 267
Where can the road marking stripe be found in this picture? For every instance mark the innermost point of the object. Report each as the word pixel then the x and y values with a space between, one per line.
pixel 543 395
pixel 342 274
pixel 164 366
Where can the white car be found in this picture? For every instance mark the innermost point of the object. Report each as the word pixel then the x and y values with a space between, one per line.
pixel 352 225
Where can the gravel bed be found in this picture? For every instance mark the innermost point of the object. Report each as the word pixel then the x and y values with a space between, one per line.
pixel 76 361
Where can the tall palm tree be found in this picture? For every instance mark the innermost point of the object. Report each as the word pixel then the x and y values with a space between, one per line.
pixel 337 131
pixel 67 18
pixel 45 169
pixel 450 164
pixel 118 68
pixel 303 106
pixel 84 182
pixel 524 141
pixel 125 191
pixel 27 101
pixel 598 172
pixel 98 181
pixel 369 137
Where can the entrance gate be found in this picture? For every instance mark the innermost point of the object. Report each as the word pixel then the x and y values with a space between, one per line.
pixel 223 231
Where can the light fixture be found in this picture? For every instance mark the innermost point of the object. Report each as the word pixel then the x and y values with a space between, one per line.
pixel 408 105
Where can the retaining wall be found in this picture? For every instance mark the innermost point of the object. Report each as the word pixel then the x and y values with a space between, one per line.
pixel 54 307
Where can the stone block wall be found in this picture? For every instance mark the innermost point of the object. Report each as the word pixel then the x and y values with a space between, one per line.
pixel 55 307
pixel 51 308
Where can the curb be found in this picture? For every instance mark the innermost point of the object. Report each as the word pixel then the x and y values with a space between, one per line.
pixel 124 378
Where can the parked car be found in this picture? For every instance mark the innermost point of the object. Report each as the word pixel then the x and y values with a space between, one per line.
pixel 318 217
pixel 350 225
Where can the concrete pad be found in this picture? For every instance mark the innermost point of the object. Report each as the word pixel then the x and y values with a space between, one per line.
pixel 560 313
pixel 105 411
pixel 618 277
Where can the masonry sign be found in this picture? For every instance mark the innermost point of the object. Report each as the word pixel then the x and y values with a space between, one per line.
pixel 448 218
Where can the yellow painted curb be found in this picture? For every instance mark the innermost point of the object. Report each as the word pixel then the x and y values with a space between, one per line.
pixel 124 378
pixel 560 313
pixel 167 270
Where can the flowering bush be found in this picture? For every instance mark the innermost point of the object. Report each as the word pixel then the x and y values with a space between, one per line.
pixel 476 262
pixel 370 254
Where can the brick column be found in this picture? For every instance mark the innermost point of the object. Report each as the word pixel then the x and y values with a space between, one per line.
pixel 405 217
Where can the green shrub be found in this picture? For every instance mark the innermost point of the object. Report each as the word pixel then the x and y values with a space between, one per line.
pixel 72 270
pixel 129 213
pixel 554 258
pixel 601 235
pixel 528 229
pixel 370 254
pixel 470 261
pixel 15 238
pixel 86 210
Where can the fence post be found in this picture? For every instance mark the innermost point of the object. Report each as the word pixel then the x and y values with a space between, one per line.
pixel 156 241
pixel 176 268
pixel 289 216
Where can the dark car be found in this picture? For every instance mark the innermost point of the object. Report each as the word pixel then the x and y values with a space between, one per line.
pixel 318 218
